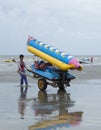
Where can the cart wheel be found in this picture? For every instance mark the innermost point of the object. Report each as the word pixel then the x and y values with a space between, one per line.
pixel 42 84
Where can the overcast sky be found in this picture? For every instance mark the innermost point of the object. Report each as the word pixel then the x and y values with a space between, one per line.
pixel 73 26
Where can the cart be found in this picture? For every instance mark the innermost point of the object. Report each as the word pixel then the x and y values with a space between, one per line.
pixel 50 76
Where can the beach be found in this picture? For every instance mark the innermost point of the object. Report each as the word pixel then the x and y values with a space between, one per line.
pixel 78 107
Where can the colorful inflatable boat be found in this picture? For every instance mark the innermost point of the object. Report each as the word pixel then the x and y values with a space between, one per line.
pixel 54 56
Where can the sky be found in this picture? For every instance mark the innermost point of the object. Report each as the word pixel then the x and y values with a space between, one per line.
pixel 73 26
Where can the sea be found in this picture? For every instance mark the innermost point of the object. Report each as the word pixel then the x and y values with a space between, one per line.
pixel 6 63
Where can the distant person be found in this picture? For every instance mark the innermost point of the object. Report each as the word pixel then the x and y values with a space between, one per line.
pixel 13 60
pixel 92 60
pixel 21 70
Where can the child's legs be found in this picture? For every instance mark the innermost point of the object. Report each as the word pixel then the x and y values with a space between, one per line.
pixel 25 79
pixel 21 80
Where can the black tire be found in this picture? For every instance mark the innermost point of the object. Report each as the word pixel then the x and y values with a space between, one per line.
pixel 61 86
pixel 42 84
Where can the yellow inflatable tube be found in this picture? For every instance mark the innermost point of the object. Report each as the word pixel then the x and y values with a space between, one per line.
pixel 50 59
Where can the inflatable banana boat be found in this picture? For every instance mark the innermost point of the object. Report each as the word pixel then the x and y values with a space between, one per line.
pixel 54 56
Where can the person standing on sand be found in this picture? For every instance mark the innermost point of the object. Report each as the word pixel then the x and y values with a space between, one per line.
pixel 21 70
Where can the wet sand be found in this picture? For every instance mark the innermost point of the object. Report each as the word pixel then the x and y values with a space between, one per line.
pixel 89 72
pixel 78 107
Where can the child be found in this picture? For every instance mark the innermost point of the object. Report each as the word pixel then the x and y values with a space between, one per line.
pixel 21 71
